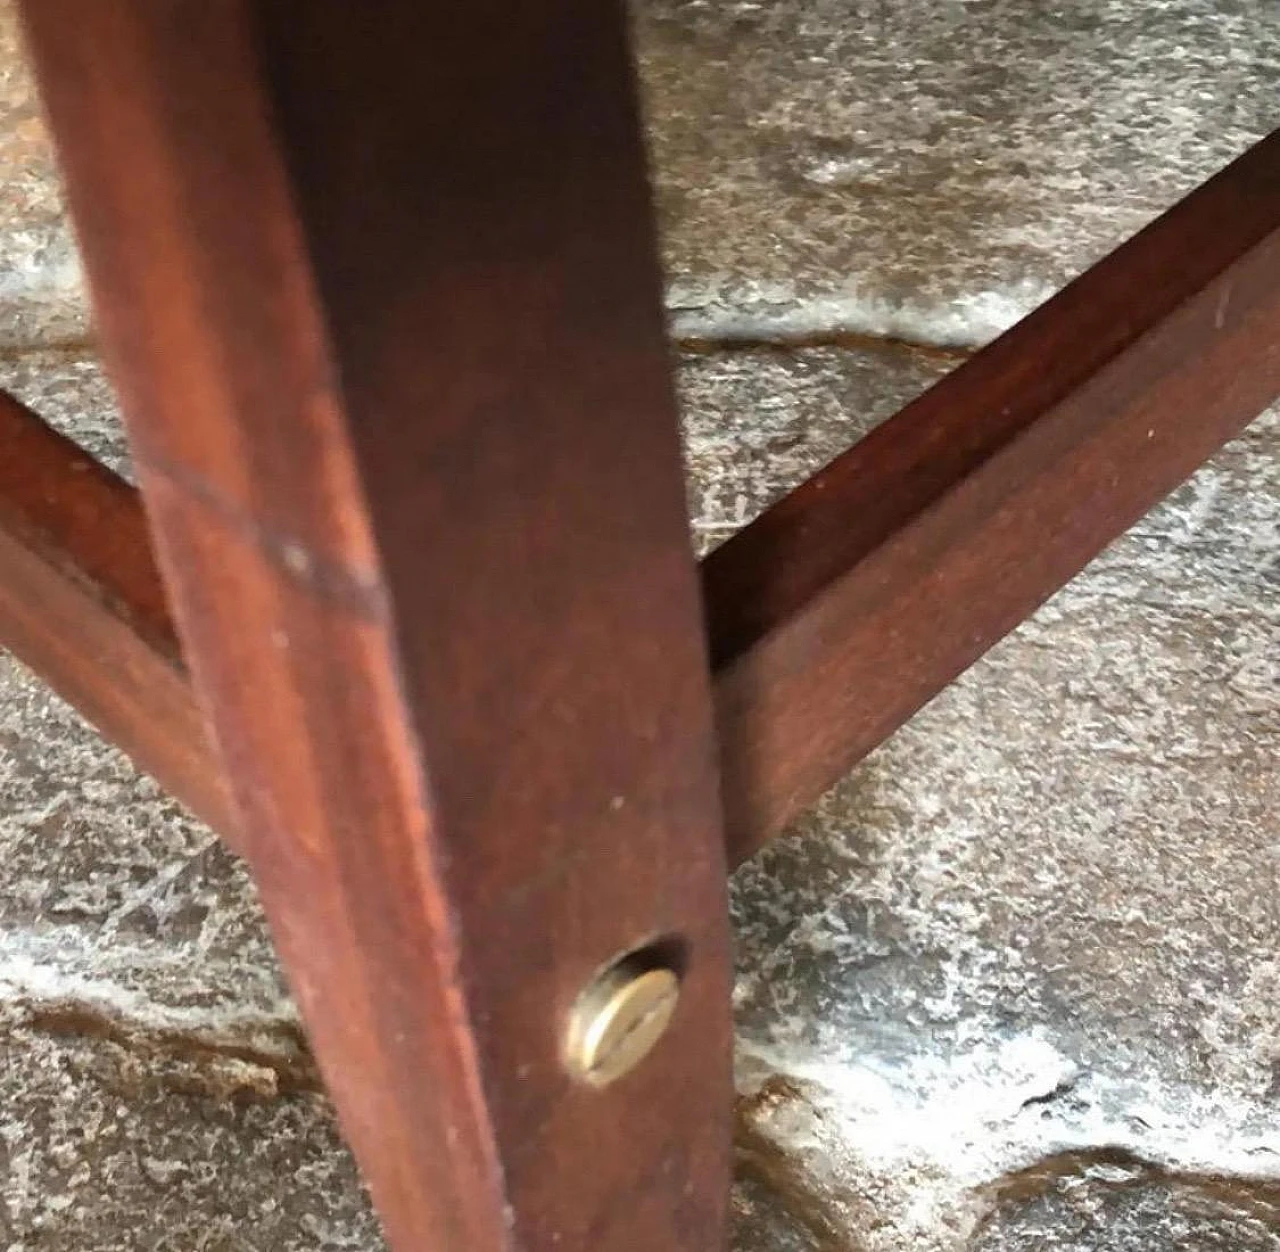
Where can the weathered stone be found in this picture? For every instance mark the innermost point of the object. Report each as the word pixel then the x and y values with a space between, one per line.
pixel 929 171
pixel 1039 924
pixel 1108 1202
pixel 113 903
pixel 41 288
pixel 1014 984
pixel 105 1149
pixel 924 171
pixel 1043 917
pixel 759 421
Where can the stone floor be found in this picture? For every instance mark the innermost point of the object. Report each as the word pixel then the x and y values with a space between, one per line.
pixel 1015 984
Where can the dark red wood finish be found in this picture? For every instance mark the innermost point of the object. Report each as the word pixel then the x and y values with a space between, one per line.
pixel 857 598
pixel 82 603
pixel 1192 357
pixel 377 287
pixel 384 316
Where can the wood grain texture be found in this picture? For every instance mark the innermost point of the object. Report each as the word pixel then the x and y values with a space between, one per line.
pixel 380 299
pixel 82 603
pixel 1174 334
pixel 847 606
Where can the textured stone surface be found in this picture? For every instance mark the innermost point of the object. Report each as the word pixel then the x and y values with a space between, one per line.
pixel 1015 984
pixel 41 288
pixel 1044 916
pixel 1040 923
pixel 759 421
pixel 112 902
pixel 106 1147
pixel 930 169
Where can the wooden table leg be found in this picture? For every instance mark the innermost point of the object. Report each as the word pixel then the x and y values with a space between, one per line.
pixel 377 286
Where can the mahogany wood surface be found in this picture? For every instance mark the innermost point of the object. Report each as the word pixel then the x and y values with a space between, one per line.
pixel 82 603
pixel 385 319
pixel 1177 329
pixel 377 287
pixel 840 611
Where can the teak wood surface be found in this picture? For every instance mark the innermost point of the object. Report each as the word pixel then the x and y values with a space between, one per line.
pixel 385 321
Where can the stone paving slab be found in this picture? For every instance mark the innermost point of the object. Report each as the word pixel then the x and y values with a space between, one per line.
pixel 925 169
pixel 1036 933
pixel 930 169
pixel 106 1147
pixel 1013 984
pixel 41 285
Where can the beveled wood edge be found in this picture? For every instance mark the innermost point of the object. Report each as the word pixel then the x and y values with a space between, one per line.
pixel 817 657
pixel 847 606
pixel 303 349
pixel 82 603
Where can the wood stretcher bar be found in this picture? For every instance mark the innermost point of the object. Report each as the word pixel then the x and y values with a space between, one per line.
pixel 378 287
pixel 839 612
pixel 82 603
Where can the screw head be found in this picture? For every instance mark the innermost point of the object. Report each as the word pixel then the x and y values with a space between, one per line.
pixel 618 1019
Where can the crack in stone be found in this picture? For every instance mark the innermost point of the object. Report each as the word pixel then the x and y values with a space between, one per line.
pixel 696 344
pixel 16 350
pixel 847 340
pixel 757 1157
pixel 1118 1169
pixel 279 1064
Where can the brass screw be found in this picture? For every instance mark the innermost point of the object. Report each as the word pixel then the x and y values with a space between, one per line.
pixel 618 1019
